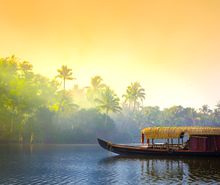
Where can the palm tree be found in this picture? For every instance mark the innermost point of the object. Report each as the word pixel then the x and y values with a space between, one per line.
pixel 108 102
pixel 205 109
pixel 218 107
pixel 65 74
pixel 96 86
pixel 204 114
pixel 68 106
pixel 216 114
pixel 190 115
pixel 135 95
pixel 96 82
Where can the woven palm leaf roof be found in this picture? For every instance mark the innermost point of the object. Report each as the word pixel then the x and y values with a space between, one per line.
pixel 176 132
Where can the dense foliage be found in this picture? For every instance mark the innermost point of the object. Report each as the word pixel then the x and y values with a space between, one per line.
pixel 36 109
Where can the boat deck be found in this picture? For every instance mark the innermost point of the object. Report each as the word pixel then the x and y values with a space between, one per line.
pixel 154 149
pixel 158 146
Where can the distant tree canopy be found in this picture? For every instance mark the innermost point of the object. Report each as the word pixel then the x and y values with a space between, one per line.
pixel 65 74
pixel 108 102
pixel 23 93
pixel 95 89
pixel 36 109
pixel 134 96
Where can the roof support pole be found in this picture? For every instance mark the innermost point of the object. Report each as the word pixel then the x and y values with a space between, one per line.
pixel 178 142
pixel 142 138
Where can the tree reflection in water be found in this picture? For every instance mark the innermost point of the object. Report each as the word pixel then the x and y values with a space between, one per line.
pixel 166 169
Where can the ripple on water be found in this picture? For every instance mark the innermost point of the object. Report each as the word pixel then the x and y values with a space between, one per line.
pixel 80 164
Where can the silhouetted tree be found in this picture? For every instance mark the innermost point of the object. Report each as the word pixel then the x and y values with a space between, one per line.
pixel 65 73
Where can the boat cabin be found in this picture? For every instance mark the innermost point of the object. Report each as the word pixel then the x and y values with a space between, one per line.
pixel 200 139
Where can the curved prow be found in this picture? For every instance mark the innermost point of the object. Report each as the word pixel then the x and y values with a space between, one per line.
pixel 104 144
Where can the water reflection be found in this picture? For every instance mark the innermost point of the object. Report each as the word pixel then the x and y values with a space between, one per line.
pixel 88 164
pixel 167 170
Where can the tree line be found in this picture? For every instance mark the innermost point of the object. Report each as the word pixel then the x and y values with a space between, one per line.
pixel 37 109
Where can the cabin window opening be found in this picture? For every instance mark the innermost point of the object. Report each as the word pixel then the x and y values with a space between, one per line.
pixel 184 136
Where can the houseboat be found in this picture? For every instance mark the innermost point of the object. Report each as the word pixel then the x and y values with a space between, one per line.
pixel 201 141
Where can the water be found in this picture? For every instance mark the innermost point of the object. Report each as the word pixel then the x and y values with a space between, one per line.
pixel 90 164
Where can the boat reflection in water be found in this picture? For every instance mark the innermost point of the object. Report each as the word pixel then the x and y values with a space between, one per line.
pixel 165 170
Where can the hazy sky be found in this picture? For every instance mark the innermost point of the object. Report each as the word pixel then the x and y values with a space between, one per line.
pixel 172 47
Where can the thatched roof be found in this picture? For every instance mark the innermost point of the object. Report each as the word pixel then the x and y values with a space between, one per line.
pixel 176 132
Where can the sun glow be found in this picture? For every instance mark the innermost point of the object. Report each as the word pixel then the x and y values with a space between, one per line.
pixel 171 50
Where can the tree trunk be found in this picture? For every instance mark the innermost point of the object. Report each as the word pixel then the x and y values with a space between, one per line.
pixel 106 117
pixel 11 129
pixel 32 138
pixel 12 124
pixel 64 84
pixel 20 139
pixel 134 106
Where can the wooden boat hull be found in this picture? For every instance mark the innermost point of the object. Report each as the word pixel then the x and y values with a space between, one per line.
pixel 144 151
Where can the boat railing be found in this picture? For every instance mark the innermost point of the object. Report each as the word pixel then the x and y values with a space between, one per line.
pixel 166 146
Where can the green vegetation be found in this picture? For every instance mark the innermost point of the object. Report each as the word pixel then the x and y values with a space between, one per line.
pixel 36 109
pixel 134 96
pixel 65 74
pixel 108 101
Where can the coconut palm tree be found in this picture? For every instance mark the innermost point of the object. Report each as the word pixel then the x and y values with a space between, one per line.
pixel 135 95
pixel 65 74
pixel 205 109
pixel 108 102
pixel 205 112
pixel 96 82
pixel 95 88
pixel 216 113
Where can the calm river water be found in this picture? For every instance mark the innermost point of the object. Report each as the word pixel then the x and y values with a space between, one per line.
pixel 90 164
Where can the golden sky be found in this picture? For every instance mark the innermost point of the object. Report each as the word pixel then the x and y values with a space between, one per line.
pixel 172 47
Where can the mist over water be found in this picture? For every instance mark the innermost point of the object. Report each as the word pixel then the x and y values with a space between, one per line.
pixel 89 164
